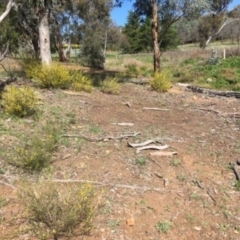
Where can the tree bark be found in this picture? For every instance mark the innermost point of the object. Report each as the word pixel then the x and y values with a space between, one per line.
pixel 44 36
pixel 156 49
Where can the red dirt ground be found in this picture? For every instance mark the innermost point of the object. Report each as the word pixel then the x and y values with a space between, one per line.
pixel 195 188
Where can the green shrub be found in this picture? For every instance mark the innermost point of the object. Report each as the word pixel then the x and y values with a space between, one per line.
pixel 161 81
pixel 35 154
pixel 81 82
pixel 132 70
pixel 54 211
pixel 19 101
pixel 53 76
pixel 111 86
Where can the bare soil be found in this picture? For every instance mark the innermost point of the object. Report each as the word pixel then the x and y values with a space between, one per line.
pixel 192 191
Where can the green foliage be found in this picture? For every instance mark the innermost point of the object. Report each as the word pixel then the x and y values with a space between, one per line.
pixel 53 76
pixel 110 86
pixel 81 82
pixel 19 101
pixel 132 70
pixel 140 161
pixel 55 211
pixel 161 81
pixel 92 52
pixel 170 39
pixel 35 154
pixel 163 227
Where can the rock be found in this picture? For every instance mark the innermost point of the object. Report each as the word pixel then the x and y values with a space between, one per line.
pixel 130 222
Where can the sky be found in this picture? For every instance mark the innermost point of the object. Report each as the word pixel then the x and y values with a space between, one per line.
pixel 119 15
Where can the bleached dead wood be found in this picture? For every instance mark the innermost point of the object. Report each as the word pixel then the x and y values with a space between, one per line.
pixel 106 138
pixel 163 154
pixel 156 109
pixel 7 184
pixel 155 147
pixel 158 140
pixel 132 187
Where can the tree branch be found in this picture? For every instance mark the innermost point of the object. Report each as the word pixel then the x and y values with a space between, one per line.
pixel 10 4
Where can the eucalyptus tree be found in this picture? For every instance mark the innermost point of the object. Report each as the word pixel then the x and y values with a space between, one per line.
pixel 214 21
pixel 95 17
pixel 169 11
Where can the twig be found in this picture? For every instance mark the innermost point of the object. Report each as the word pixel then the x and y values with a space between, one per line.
pixel 155 163
pixel 124 124
pixel 210 195
pixel 133 187
pixel 209 110
pixel 103 138
pixel 156 109
pixel 7 184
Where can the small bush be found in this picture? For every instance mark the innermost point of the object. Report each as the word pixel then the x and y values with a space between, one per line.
pixel 111 86
pixel 53 76
pixel 161 81
pixel 80 82
pixel 19 101
pixel 35 154
pixel 132 70
pixel 163 227
pixel 55 211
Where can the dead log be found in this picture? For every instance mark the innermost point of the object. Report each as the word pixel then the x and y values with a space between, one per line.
pixel 214 93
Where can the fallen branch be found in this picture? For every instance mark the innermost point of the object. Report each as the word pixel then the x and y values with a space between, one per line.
pixel 162 154
pixel 7 184
pixel 233 115
pixel 209 110
pixel 214 92
pixel 158 140
pixel 156 109
pixel 155 147
pixel 132 187
pixel 103 138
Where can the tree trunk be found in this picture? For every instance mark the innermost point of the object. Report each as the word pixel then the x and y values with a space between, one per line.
pixel 44 36
pixel 156 49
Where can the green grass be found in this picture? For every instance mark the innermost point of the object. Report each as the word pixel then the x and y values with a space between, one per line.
pixel 222 76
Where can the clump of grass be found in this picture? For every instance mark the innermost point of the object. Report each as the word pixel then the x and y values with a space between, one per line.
pixel 110 86
pixel 163 227
pixel 35 154
pixel 19 101
pixel 161 81
pixel 55 211
pixel 140 161
pixel 81 82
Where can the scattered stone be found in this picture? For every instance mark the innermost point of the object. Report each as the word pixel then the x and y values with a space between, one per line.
pixel 130 222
